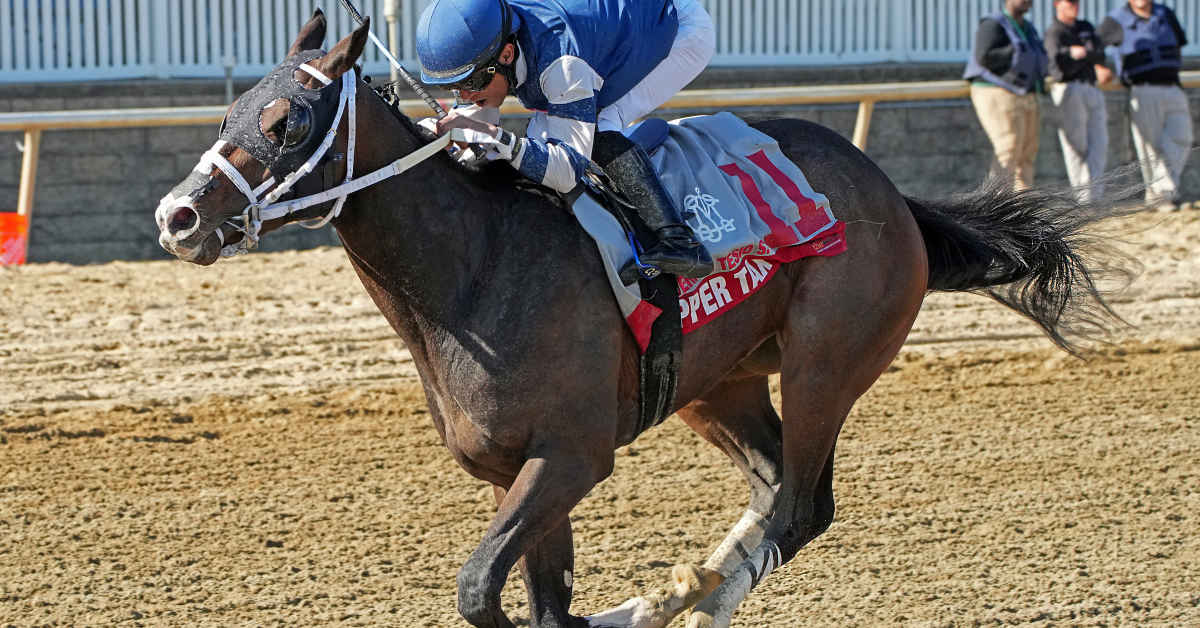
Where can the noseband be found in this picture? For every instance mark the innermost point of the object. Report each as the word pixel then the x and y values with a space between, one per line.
pixel 263 205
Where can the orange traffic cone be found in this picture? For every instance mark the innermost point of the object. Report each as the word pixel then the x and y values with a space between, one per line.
pixel 14 238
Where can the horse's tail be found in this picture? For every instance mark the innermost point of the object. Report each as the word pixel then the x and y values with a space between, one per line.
pixel 1033 250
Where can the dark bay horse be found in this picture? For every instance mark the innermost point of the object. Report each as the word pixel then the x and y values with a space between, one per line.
pixel 529 370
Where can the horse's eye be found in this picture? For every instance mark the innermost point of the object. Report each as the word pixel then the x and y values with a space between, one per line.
pixel 299 126
pixel 272 121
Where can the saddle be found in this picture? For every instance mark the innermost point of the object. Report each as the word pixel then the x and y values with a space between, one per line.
pixel 746 202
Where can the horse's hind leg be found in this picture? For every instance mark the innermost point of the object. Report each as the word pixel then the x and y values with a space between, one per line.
pixel 846 322
pixel 738 418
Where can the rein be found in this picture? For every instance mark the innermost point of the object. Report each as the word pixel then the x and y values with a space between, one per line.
pixel 260 210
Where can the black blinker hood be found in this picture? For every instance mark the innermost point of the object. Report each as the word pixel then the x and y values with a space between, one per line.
pixel 242 126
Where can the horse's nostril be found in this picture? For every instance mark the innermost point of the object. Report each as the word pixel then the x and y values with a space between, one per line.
pixel 184 219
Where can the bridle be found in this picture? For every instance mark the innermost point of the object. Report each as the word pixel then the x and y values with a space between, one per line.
pixel 263 200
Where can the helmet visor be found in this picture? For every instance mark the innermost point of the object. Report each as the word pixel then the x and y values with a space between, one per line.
pixel 478 80
pixel 463 72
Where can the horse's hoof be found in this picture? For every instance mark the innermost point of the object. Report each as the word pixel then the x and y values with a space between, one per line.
pixel 689 584
pixel 693 583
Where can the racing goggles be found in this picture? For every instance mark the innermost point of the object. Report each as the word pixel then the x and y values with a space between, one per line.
pixel 479 79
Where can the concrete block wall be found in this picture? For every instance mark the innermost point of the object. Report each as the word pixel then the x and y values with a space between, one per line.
pixel 97 190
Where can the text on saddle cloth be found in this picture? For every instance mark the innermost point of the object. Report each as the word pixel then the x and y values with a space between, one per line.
pixel 749 205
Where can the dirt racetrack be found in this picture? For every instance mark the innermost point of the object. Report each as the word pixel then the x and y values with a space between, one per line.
pixel 248 445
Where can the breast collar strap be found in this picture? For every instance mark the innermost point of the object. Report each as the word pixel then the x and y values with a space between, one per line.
pixel 263 208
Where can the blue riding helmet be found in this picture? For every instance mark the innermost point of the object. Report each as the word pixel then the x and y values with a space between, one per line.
pixel 454 37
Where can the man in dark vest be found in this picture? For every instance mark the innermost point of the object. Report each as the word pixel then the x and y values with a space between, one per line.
pixel 1148 38
pixel 1007 70
pixel 1076 65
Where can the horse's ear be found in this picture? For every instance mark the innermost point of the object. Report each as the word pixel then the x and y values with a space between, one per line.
pixel 311 36
pixel 345 53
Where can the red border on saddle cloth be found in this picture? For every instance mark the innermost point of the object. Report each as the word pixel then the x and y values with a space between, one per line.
pixel 745 270
pixel 749 269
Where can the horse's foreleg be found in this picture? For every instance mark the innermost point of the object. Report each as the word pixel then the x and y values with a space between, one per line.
pixel 538 503
pixel 738 418
pixel 804 508
pixel 548 571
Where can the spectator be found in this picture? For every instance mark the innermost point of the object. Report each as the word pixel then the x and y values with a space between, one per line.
pixel 1007 70
pixel 1076 63
pixel 1149 38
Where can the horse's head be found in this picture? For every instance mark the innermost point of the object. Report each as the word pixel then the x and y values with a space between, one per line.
pixel 279 137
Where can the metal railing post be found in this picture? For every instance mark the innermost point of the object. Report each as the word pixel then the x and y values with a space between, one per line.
pixel 391 13
pixel 161 37
pixel 29 166
pixel 229 62
pixel 901 29
pixel 862 126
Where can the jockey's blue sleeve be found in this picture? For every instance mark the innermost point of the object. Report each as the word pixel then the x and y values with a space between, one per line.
pixel 552 163
pixel 557 155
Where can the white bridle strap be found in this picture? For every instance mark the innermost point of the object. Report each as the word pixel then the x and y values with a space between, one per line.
pixel 251 217
pixel 266 185
pixel 212 159
pixel 315 73
pixel 351 134
pixel 264 208
pixel 280 210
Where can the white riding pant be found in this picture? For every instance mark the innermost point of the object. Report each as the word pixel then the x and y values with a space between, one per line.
pixel 695 43
pixel 1162 135
pixel 1083 134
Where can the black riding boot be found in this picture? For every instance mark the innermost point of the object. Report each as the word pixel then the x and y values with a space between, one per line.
pixel 676 250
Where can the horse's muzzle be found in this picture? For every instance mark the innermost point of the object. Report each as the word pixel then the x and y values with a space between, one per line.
pixel 180 233
pixel 207 251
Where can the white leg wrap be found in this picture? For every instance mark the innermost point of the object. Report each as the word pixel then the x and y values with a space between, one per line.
pixel 741 540
pixel 741 553
pixel 716 611
pixel 637 612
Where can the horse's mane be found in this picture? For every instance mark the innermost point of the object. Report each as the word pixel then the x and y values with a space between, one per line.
pixel 494 175
pixel 387 93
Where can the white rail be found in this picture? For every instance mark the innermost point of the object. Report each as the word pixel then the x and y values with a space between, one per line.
pixel 73 40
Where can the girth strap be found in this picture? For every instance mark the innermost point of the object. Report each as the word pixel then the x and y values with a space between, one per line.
pixel 658 368
pixel 659 372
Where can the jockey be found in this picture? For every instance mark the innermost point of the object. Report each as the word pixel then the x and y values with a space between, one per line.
pixel 587 68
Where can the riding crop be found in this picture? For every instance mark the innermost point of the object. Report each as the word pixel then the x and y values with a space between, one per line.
pixel 408 78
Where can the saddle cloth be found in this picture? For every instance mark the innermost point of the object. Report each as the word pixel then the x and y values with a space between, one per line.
pixel 753 210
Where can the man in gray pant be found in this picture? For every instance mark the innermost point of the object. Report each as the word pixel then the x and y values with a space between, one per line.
pixel 1076 64
pixel 1149 39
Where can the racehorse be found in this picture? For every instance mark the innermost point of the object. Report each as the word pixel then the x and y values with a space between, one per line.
pixel 529 370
